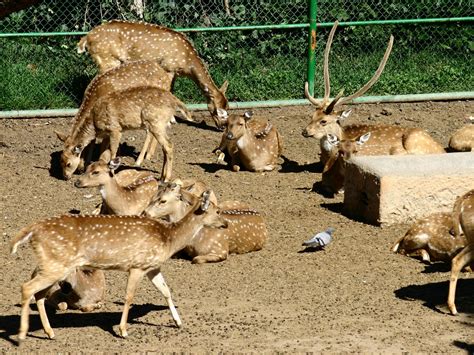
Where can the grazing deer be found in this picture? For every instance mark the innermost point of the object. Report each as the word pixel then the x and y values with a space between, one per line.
pixel 137 245
pixel 116 42
pixel 135 108
pixel 246 231
pixel 126 76
pixel 248 145
pixel 128 192
pixel 463 220
pixel 341 151
pixel 385 139
pixel 431 238
pixel 463 139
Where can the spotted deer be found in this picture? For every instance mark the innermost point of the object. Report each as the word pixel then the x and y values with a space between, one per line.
pixel 128 192
pixel 431 238
pixel 126 76
pixel 463 220
pixel 117 42
pixel 341 151
pixel 141 107
pixel 385 139
pixel 137 245
pixel 248 145
pixel 463 139
pixel 246 231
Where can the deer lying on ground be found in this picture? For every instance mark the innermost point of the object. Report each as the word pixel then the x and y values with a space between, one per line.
pixel 463 139
pixel 246 231
pixel 248 145
pixel 128 192
pixel 463 220
pixel 129 75
pixel 135 108
pixel 137 245
pixel 341 151
pixel 117 42
pixel 431 238
pixel 384 140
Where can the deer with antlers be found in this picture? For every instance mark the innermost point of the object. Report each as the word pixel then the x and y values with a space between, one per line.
pixel 246 231
pixel 137 245
pixel 254 144
pixel 384 139
pixel 463 221
pixel 126 76
pixel 117 42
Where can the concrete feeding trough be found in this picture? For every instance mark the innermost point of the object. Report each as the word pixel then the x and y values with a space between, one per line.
pixel 384 190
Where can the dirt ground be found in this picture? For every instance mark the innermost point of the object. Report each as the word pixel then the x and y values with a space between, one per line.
pixel 355 296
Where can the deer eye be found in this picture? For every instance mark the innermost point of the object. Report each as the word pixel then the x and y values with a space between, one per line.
pixel 95 173
pixel 68 165
pixel 163 202
pixel 324 122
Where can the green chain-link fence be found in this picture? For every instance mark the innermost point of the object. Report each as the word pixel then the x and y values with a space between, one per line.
pixel 259 46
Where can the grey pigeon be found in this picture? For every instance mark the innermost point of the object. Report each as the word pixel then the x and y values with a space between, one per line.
pixel 320 240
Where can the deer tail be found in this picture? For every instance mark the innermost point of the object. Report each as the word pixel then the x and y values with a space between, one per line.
pixel 23 236
pixel 81 45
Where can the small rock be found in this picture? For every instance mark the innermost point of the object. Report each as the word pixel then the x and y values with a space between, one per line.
pixel 386 112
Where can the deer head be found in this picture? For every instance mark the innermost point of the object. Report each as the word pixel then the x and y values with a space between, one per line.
pixel 236 125
pixel 327 117
pixel 217 100
pixel 99 172
pixel 70 156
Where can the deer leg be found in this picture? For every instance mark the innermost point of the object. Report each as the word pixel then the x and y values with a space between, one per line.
pixel 167 147
pixel 114 137
pixel 151 151
pixel 158 280
pixel 28 290
pixel 209 258
pixel 139 160
pixel 135 275
pixel 463 258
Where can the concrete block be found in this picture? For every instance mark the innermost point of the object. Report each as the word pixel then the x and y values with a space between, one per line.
pixel 384 190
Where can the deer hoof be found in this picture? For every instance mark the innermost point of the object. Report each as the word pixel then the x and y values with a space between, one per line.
pixel 62 306
pixel 123 333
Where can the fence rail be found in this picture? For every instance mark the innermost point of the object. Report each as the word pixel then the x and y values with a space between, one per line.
pixel 261 47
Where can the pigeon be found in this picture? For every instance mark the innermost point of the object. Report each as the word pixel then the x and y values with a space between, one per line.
pixel 320 240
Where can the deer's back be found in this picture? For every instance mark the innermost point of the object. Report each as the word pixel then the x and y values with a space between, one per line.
pixel 463 139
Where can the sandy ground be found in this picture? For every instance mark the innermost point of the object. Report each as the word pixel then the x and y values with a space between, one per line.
pixel 354 296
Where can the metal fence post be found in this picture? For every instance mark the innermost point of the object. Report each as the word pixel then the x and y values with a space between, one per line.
pixel 313 10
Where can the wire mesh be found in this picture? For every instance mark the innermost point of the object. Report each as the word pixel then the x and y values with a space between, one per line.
pixel 46 72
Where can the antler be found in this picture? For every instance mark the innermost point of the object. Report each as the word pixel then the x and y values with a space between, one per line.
pixel 327 83
pixel 374 79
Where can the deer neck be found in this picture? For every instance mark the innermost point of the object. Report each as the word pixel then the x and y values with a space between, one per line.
pixel 179 212
pixel 183 232
pixel 115 196
pixel 84 132
pixel 203 79
pixel 246 143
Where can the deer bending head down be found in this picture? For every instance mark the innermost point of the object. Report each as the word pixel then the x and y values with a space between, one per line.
pixel 117 42
pixel 246 231
pixel 248 144
pixel 137 245
pixel 385 139
pixel 126 76
pixel 463 220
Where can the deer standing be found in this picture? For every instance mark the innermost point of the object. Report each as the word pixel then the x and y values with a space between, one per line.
pixel 431 238
pixel 385 139
pixel 128 192
pixel 117 42
pixel 463 220
pixel 246 231
pixel 135 108
pixel 463 139
pixel 126 76
pixel 248 145
pixel 137 245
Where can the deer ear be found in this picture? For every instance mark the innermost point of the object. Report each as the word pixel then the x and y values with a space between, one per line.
pixel 222 114
pixel 224 86
pixel 114 163
pixel 344 115
pixel 105 156
pixel 330 163
pixel 178 181
pixel 332 139
pixel 205 200
pixel 77 149
pixel 62 136
pixel 248 115
pixel 363 139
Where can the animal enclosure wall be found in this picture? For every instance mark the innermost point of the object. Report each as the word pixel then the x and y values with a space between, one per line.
pixel 259 46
